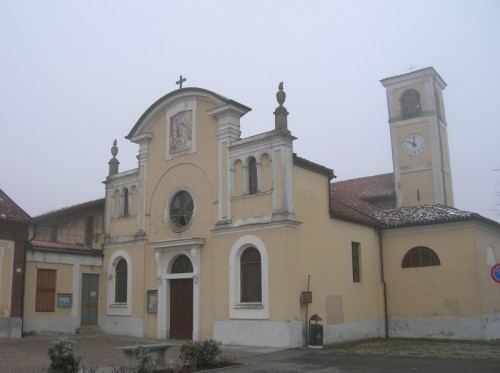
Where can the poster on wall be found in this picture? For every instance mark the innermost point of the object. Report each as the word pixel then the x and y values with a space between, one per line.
pixel 152 301
pixel 64 300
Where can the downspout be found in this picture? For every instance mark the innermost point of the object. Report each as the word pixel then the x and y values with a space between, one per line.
pixel 382 279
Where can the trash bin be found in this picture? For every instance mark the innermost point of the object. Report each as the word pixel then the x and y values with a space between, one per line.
pixel 315 332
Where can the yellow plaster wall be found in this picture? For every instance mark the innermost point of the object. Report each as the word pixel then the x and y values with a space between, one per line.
pixel 64 282
pixel 259 204
pixel 489 289
pixel 451 289
pixel 138 254
pixel 420 181
pixel 325 254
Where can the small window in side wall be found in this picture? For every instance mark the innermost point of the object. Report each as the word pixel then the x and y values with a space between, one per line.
pixel 420 256
pixel 45 290
pixel 252 176
pixel 121 277
pixel 410 104
pixel 356 262
pixel 89 230
pixel 53 233
pixel 251 277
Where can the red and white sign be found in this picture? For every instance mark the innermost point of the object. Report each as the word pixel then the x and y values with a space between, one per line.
pixel 495 273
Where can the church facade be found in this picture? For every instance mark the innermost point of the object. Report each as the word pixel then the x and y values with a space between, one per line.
pixel 241 240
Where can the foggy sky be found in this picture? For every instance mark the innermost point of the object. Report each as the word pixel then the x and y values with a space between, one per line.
pixel 75 75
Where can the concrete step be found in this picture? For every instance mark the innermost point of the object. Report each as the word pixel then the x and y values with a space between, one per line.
pixel 89 329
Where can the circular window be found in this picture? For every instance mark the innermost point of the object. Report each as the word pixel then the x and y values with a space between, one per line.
pixel 180 210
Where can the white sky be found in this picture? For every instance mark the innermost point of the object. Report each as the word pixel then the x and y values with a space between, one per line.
pixel 75 75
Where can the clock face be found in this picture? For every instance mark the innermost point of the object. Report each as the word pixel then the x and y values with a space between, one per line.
pixel 413 144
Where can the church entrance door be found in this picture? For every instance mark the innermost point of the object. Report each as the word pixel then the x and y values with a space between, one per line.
pixel 181 309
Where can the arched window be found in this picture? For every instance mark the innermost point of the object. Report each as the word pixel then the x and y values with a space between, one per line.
pixel 490 256
pixel 182 264
pixel 251 279
pixel 124 203
pixel 121 270
pixel 410 104
pixel 420 256
pixel 252 176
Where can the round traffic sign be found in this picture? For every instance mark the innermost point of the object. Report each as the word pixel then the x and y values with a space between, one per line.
pixel 495 273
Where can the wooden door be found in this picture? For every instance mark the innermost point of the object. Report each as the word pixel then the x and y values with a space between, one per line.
pixel 90 286
pixel 181 309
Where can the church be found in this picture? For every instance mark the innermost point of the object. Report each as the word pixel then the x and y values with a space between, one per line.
pixel 244 241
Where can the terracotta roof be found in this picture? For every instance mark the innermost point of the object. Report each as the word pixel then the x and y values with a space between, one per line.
pixel 304 163
pixel 354 210
pixel 10 211
pixel 366 188
pixel 354 200
pixel 73 208
pixel 66 247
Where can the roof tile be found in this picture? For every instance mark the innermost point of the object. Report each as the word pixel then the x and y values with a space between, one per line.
pixel 10 211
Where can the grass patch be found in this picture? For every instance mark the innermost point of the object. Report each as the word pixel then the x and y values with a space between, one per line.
pixel 422 348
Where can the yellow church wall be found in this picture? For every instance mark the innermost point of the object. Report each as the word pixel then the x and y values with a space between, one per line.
pixel 251 206
pixel 489 289
pixel 123 226
pixel 136 254
pixel 326 255
pixel 417 188
pixel 281 257
pixel 361 300
pixel 451 289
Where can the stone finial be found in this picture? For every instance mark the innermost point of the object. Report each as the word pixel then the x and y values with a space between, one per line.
pixel 114 149
pixel 280 114
pixel 113 162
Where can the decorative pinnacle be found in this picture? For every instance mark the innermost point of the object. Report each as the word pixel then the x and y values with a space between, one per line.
pixel 280 114
pixel 114 149
pixel 281 95
pixel 113 162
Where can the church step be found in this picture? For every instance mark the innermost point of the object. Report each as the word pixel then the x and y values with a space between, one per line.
pixel 89 329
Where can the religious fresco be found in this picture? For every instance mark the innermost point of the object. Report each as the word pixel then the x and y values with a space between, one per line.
pixel 181 132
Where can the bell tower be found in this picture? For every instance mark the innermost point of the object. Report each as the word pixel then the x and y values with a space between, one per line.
pixel 419 139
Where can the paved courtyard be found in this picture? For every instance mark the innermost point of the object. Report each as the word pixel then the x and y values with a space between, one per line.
pixel 100 351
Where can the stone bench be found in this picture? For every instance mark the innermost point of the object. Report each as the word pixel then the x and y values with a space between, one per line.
pixel 159 348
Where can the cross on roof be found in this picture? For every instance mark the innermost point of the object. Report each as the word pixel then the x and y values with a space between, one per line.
pixel 180 81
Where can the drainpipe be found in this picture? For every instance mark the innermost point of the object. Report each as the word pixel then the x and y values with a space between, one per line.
pixel 382 279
